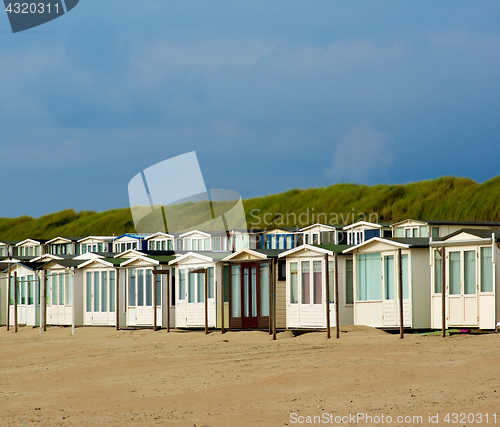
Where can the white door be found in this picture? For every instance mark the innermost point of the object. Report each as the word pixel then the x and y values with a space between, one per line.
pixel 462 289
pixel 312 308
pixel 389 304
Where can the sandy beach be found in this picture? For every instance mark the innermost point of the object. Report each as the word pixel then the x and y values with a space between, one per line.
pixel 101 376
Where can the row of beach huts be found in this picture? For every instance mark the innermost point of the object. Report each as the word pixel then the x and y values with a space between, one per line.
pixel 310 278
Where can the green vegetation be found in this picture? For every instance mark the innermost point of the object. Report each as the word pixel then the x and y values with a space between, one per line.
pixel 444 198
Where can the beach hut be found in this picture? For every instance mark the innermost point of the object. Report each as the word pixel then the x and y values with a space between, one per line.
pixel 472 279
pixel 101 282
pixel 95 244
pixel 247 289
pixel 306 286
pixel 64 292
pixel 362 231
pixel 437 228
pixel 130 241
pixel 8 247
pixel 377 274
pixel 140 284
pixel 63 246
pixel 28 293
pixel 160 241
pixel 190 289
pixel 321 234
pixel 31 247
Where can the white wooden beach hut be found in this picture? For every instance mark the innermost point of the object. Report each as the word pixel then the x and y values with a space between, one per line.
pixel 94 244
pixel 306 286
pixel 376 273
pixel 138 273
pixel 472 279
pixel 101 282
pixel 190 288
pixel 28 293
pixel 160 241
pixel 64 292
pixel 31 247
pixel 362 231
pixel 62 246
pixel 321 234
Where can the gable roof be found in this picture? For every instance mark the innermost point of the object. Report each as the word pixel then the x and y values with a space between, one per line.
pixel 360 223
pixel 483 234
pixel 159 234
pixel 400 242
pixel 202 256
pixel 67 239
pixel 37 241
pixel 332 227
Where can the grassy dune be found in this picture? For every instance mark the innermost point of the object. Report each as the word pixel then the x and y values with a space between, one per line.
pixel 444 198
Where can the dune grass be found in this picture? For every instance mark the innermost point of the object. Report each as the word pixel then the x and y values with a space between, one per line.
pixel 446 198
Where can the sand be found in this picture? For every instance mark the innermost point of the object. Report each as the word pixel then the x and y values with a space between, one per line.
pixel 101 376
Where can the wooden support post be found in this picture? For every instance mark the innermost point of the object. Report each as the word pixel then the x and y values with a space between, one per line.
pixel 443 291
pixel 8 300
pixel 155 320
pixel 222 301
pixel 336 287
pixel 206 301
pixel 44 302
pixel 73 311
pixel 274 299
pixel 327 297
pixel 270 274
pixel 117 299
pixel 15 301
pixel 168 301
pixel 401 322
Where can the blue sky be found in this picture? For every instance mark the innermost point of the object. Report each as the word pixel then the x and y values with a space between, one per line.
pixel 272 95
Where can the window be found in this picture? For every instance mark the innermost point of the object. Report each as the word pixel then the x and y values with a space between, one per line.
pixel 99 247
pixel 317 282
pixel 293 283
pixel 140 288
pixel 264 289
pixel 163 245
pixel 414 232
pixel 211 283
pixel 187 244
pixel 438 272
pixel 201 287
pixel 331 289
pixel 54 290
pixel 216 243
pixel 454 267
pixel 390 290
pixel 22 283
pixel 191 287
pixel 349 282
pixel 207 244
pixel 408 232
pixel 89 292
pixel 158 289
pixel 435 231
pixel 315 240
pixel 424 231
pixel 235 291
pixel 149 288
pixel 129 246
pixel 31 290
pixel 112 290
pixel 369 284
pixel 151 246
pixel 104 291
pixel 406 277
pixel 486 270
pixel 182 285
pixel 469 272
pixel 131 287
pixel 170 245
pixel 96 291
pixel 69 289
pixel 281 270
pixel 306 282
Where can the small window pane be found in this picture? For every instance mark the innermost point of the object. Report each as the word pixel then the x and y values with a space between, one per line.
pixel 182 285
pixel 149 288
pixel 306 282
pixel 112 290
pixel 104 291
pixel 140 288
pixel 294 283
pixel 486 270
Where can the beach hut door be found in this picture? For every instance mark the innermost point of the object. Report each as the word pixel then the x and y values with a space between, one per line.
pixel 462 288
pixel 249 288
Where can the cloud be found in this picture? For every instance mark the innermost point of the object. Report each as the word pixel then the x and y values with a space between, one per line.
pixel 363 155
